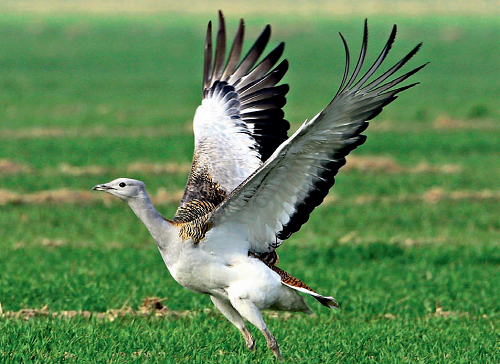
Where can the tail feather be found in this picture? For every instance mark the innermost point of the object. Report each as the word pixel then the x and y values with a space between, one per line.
pixel 329 302
pixel 296 284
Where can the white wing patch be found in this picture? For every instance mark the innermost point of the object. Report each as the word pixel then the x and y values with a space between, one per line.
pixel 223 143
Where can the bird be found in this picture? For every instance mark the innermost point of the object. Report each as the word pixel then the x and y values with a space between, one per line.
pixel 251 186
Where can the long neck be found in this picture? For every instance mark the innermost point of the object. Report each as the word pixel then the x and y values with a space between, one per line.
pixel 160 229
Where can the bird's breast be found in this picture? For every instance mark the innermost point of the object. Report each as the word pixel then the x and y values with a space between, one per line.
pixel 200 270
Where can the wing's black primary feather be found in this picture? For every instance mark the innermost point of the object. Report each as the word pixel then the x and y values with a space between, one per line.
pixel 235 53
pixel 207 63
pixel 361 58
pixel 251 57
pixel 220 52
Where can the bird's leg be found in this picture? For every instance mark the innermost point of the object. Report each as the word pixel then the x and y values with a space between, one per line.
pixel 235 318
pixel 250 312
pixel 272 344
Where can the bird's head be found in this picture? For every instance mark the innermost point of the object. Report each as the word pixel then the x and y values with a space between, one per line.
pixel 124 188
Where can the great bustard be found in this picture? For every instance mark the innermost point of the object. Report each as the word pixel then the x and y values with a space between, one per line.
pixel 251 187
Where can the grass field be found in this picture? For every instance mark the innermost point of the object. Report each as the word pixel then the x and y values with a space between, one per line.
pixel 408 241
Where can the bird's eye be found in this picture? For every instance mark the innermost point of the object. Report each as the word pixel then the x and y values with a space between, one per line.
pixel 122 184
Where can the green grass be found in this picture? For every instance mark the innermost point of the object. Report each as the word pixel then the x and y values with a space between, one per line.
pixel 417 278
pixel 75 71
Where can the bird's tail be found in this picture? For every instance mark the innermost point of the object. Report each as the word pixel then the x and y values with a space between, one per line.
pixel 296 284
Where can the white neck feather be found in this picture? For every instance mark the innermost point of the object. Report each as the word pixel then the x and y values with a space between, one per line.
pixel 160 229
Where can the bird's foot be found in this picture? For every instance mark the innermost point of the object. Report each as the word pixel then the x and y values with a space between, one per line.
pixel 249 340
pixel 276 351
pixel 272 344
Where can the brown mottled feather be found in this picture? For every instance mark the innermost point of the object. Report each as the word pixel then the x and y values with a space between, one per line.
pixel 201 187
pixel 287 278
pixel 194 230
pixel 191 216
pixel 269 259
pixel 192 220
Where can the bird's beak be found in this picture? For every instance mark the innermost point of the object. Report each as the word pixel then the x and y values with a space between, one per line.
pixel 102 187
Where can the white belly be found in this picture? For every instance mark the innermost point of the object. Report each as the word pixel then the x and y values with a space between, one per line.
pixel 233 276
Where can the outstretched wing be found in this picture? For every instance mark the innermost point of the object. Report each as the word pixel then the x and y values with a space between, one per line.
pixel 240 121
pixel 278 198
